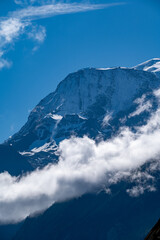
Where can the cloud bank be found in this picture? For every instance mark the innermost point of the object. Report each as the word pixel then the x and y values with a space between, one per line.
pixel 22 21
pixel 83 166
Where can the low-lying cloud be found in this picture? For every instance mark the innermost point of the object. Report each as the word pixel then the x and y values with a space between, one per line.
pixel 83 166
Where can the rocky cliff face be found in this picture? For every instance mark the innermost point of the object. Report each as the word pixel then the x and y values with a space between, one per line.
pixel 97 103
pixel 93 102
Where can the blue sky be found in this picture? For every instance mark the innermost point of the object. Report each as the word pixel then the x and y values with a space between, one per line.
pixel 42 41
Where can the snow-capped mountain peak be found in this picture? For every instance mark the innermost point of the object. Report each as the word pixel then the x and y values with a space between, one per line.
pixel 79 90
pixel 152 65
pixel 93 102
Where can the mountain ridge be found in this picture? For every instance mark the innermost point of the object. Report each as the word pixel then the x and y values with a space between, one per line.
pixel 79 106
pixel 37 142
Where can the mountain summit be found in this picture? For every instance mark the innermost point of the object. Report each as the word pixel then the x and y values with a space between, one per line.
pixel 96 103
pixel 152 65
pixel 93 102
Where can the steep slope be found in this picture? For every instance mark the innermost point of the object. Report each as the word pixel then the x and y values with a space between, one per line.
pixel 152 65
pixel 93 102
pixel 8 231
pixel 104 217
pixel 97 103
pixel 12 161
pixel 154 234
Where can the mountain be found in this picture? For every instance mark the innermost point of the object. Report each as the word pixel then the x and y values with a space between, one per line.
pixel 97 217
pixel 152 65
pixel 155 232
pixel 96 103
pixel 12 161
pixel 93 102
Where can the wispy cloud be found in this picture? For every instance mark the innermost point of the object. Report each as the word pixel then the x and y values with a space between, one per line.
pixel 30 2
pixel 10 29
pixel 83 166
pixel 17 22
pixel 37 33
pixel 49 10
pixel 4 63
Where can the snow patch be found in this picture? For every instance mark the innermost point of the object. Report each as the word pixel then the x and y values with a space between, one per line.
pixel 106 120
pixel 45 148
pixel 54 116
pixel 142 106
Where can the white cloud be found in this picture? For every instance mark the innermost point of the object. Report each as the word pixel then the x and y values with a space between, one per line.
pixel 143 180
pixel 140 189
pixel 83 167
pixel 30 2
pixel 14 25
pixel 19 2
pixel 49 10
pixel 4 63
pixel 10 29
pixel 37 33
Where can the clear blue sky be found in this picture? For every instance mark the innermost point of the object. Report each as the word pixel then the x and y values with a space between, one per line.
pixel 38 48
